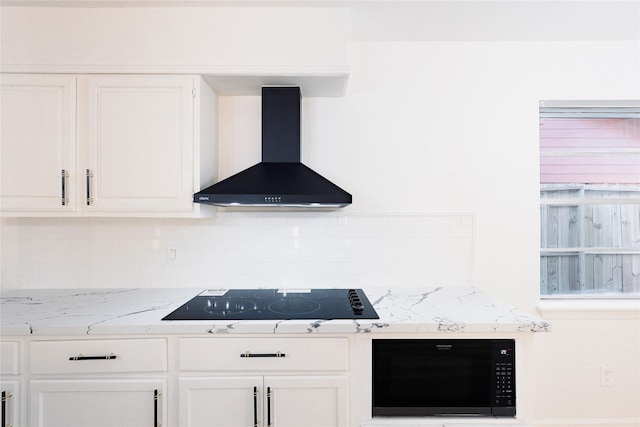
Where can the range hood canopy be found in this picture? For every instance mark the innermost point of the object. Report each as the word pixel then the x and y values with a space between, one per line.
pixel 280 180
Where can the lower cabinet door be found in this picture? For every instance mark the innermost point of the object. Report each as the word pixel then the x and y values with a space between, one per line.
pixel 272 401
pixel 220 401
pixel 97 403
pixel 10 402
pixel 310 401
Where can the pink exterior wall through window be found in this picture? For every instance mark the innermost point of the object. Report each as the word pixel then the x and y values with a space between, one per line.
pixel 590 150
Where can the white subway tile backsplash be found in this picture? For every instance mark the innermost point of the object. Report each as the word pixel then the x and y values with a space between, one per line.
pixel 238 249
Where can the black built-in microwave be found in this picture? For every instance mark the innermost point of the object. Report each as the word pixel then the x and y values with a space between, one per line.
pixel 444 377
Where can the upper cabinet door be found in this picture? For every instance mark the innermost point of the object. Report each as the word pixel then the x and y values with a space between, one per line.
pixel 38 155
pixel 140 144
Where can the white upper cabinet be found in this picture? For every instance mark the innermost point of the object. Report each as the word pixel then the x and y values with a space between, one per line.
pixel 108 145
pixel 139 144
pixel 38 143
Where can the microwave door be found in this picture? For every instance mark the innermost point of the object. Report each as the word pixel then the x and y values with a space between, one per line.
pixel 433 377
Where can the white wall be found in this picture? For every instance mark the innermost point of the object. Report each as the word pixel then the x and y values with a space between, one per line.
pixel 435 127
pixel 236 250
pixel 99 38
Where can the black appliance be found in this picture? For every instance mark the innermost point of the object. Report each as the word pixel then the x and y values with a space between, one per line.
pixel 276 304
pixel 438 377
pixel 280 180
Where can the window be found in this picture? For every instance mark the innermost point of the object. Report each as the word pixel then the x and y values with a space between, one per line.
pixel 589 199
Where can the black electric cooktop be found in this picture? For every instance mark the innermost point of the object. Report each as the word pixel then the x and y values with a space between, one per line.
pixel 276 304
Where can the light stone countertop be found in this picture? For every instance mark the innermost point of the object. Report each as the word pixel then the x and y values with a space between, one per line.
pixel 48 312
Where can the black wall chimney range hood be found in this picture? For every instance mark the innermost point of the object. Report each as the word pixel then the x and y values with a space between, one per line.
pixel 280 180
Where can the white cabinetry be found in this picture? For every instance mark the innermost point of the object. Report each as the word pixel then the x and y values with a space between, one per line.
pixel 96 403
pixel 178 381
pixel 10 402
pixel 220 401
pixel 38 142
pixel 10 383
pixel 139 150
pixel 293 401
pixel 112 382
pixel 265 382
pixel 106 145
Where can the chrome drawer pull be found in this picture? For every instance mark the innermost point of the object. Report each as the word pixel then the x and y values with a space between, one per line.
pixel 65 200
pixel 89 175
pixel 81 357
pixel 249 354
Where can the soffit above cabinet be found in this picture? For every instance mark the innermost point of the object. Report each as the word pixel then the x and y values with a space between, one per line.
pixel 237 48
pixel 329 81
pixel 314 82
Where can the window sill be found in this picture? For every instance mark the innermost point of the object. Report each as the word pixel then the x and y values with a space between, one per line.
pixel 590 308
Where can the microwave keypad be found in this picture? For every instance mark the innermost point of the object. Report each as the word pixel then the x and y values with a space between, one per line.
pixel 504 384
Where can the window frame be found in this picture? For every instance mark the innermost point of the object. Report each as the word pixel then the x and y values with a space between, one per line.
pixel 586 109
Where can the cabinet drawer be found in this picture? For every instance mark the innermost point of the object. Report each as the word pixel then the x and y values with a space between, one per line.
pixel 9 358
pixel 264 354
pixel 99 356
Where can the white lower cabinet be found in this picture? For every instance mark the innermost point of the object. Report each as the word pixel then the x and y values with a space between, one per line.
pixel 312 401
pixel 169 381
pixel 278 401
pixel 263 382
pixel 96 403
pixel 98 383
pixel 10 402
pixel 10 380
pixel 219 401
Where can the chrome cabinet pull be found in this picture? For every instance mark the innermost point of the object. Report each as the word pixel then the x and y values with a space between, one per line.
pixel 89 175
pixel 110 356
pixel 249 354
pixel 156 397
pixel 4 408
pixel 64 176
pixel 5 396
pixel 255 407
pixel 269 407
